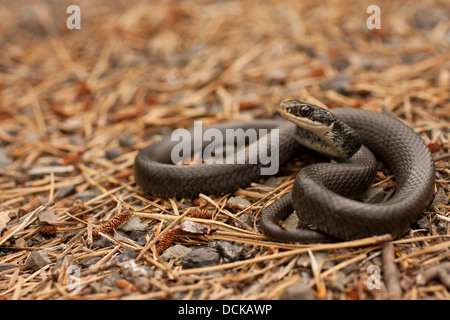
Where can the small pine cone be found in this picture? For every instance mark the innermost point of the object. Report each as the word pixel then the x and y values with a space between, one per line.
pixel 202 214
pixel 113 224
pixel 48 230
pixel 167 241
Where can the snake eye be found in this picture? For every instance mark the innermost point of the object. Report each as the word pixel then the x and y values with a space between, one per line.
pixel 305 111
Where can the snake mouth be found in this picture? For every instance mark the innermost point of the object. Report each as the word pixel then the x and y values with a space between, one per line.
pixel 320 130
pixel 311 118
pixel 306 115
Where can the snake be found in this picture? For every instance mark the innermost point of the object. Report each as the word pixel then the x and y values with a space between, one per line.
pixel 325 195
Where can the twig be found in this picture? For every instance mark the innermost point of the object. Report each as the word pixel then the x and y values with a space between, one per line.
pixel 390 271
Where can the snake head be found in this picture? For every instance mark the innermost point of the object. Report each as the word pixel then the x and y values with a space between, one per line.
pixel 320 130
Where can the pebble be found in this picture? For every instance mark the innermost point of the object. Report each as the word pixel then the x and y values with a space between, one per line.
pixel 245 218
pixel 237 203
pixel 101 243
pixel 138 237
pixel 47 216
pixel 86 263
pixel 112 153
pixel 110 280
pixel 297 291
pixel 177 251
pixel 127 141
pixel 440 198
pixel 193 227
pixel 292 221
pixel 65 191
pixel 127 254
pixel 230 251
pixel 424 223
pixel 37 260
pixel 134 224
pixel 85 196
pixel 201 257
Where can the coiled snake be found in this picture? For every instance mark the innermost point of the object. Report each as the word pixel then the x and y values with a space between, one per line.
pixel 324 194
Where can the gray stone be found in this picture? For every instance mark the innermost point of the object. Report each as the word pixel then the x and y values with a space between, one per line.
pixel 37 260
pixel 193 227
pixel 86 263
pixel 440 198
pixel 245 218
pixel 201 257
pixel 101 243
pixel 237 203
pixel 134 224
pixel 127 142
pixel 229 251
pixel 127 254
pixel 175 252
pixel 292 221
pixel 297 291
pixel 110 280
pixel 85 196
pixel 112 153
pixel 65 191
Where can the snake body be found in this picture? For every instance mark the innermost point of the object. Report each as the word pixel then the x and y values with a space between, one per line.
pixel 324 194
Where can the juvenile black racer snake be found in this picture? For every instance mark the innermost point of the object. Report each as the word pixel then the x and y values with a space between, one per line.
pixel 323 194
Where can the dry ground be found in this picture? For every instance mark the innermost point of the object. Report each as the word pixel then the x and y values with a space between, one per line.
pixel 137 69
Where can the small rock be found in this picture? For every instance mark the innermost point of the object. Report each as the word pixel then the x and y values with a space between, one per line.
pixel 237 203
pixel 110 280
pixel 137 275
pixel 86 263
pixel 112 153
pixel 47 216
pixel 139 237
pixel 424 223
pixel 245 218
pixel 101 243
pixel 320 256
pixel 37 260
pixel 86 195
pixel 193 227
pixel 297 291
pixel 440 198
pixel 201 257
pixel 127 254
pixel 65 191
pixel 292 221
pixel 134 224
pixel 339 280
pixel 229 251
pixel 373 195
pixel 175 252
pixel 127 141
